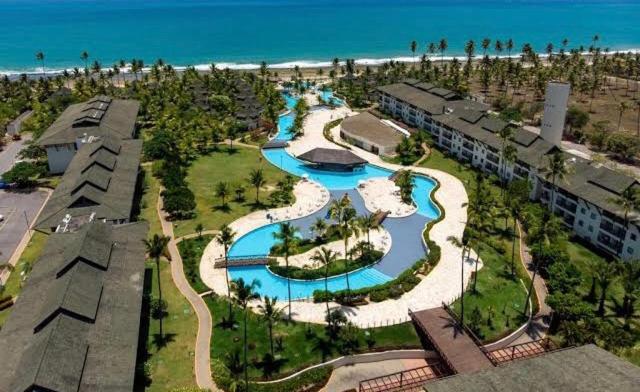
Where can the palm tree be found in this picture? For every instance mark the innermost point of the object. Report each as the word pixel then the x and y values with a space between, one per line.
pixel 84 56
pixel 463 244
pixel 156 247
pixel 225 238
pixel 414 47
pixel 287 235
pixel 547 228
pixel 319 227
pixel 271 314
pixel 40 57
pixel 442 46
pixel 485 45
pixel 510 46
pixel 367 223
pixel 222 191
pixel 325 257
pixel 622 107
pixel 257 180
pixel 244 293
pixel 343 212
pixel 555 170
pixel 432 48
pixel 605 273
pixel 505 134
pixel 630 275
pixel 628 201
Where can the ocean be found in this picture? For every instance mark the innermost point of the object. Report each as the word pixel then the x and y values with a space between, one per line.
pixel 242 33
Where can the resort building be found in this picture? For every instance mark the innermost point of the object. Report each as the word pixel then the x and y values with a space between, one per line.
pixel 99 184
pixel 75 325
pixel 332 159
pixel 466 129
pixel 15 126
pixel 85 122
pixel 372 134
pixel 584 369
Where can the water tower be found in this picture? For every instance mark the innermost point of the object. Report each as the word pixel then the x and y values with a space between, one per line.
pixel 556 100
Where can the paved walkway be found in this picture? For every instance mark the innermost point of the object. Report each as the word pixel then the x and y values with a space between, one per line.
pixel 540 323
pixel 348 377
pixel 203 339
pixel 9 153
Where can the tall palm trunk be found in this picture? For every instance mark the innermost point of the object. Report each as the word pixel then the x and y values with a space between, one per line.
pixel 159 294
pixel 271 337
pixel 286 261
pixel 246 368
pixel 603 296
pixel 513 247
pixel 226 275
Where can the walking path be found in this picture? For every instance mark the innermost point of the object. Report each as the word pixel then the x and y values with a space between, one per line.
pixel 205 324
pixel 540 322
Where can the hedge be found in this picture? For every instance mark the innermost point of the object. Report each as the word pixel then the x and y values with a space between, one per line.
pixel 310 381
pixel 318 273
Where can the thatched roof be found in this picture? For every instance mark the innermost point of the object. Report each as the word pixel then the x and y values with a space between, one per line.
pixel 328 156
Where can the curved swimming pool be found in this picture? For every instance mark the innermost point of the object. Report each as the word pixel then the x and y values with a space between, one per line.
pixel 259 241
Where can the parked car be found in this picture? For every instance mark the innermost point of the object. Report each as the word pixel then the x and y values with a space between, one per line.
pixel 1 218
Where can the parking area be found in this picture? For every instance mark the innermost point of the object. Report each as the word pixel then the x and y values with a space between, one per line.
pixel 19 210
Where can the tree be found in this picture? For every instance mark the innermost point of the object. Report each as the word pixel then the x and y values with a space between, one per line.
pixel 179 202
pixel 517 195
pixel 287 235
pixel 623 106
pixel 199 230
pixel 40 57
pixel 405 182
pixel 576 119
pixel 556 169
pixel 442 46
pixel 414 47
pixel 343 212
pixel 222 191
pixel 225 238
pixel 84 56
pixel 22 174
pixel 257 180
pixel 367 223
pixel 630 276
pixel 244 293
pixel 604 272
pixel 156 247
pixel 271 314
pixel 325 257
pixel 628 201
pixel 319 227
pixel 463 244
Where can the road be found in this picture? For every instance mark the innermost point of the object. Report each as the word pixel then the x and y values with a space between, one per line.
pixel 10 153
pixel 17 208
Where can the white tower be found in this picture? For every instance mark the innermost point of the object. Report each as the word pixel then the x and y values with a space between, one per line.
pixel 556 100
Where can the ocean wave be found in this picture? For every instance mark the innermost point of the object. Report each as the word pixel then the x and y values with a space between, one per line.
pixel 286 65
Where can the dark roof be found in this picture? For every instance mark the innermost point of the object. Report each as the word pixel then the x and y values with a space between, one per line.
pixel 369 127
pixel 596 184
pixel 100 116
pixel 275 143
pixel 75 328
pixel 100 179
pixel 328 156
pixel 421 99
pixel 586 368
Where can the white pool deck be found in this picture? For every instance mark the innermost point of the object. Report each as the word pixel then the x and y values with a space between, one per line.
pixel 442 284
pixel 382 194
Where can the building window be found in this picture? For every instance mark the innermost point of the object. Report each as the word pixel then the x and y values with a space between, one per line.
pixel 629 250
pixel 590 229
pixel 593 215
pixel 633 237
pixel 583 211
pixel 580 223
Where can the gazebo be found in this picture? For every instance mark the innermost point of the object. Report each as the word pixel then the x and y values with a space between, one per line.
pixel 332 159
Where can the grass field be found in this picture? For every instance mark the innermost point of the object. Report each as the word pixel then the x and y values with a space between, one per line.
pixel 25 263
pixel 233 168
pixel 191 252
pixel 169 364
pixel 300 341
pixel 148 211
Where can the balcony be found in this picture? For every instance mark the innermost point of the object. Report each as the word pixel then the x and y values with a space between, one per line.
pixel 566 204
pixel 467 145
pixel 612 229
pixel 493 158
pixel 447 135
pixel 610 243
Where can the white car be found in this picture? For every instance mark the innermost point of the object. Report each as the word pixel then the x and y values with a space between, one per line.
pixel 1 218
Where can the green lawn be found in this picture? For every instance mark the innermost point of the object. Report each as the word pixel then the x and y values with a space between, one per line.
pixel 27 259
pixel 233 168
pixel 299 340
pixel 191 252
pixel 169 365
pixel 500 298
pixel 148 210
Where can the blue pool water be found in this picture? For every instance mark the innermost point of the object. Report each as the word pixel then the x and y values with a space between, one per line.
pixel 259 241
pixel 274 285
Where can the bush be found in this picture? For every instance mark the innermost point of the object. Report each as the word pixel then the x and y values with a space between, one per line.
pixel 179 202
pixel 23 174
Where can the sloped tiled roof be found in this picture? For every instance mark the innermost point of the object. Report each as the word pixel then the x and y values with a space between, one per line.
pixel 329 156
pixel 100 116
pixel 97 181
pixel 77 331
